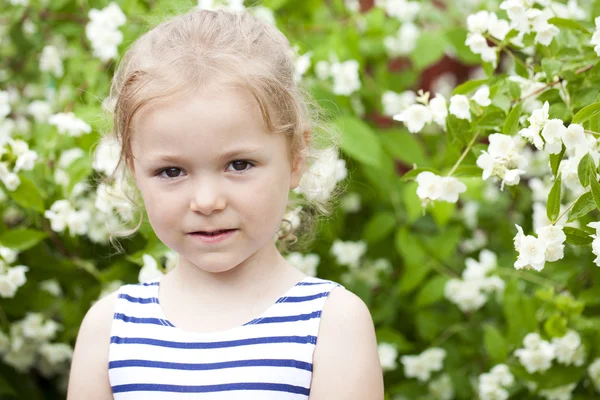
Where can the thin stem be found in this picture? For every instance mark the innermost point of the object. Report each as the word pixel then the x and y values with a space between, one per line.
pixel 592 132
pixel 564 212
pixel 527 276
pixel 464 154
pixel 507 49
pixel 448 333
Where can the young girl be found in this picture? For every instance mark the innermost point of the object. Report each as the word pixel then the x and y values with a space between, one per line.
pixel 215 134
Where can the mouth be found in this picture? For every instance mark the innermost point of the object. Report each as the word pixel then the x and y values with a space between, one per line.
pixel 212 233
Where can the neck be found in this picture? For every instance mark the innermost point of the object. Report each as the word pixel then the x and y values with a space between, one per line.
pixel 257 274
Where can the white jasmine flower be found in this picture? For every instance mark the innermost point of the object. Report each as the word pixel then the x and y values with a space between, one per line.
pixel 545 34
pixel 404 10
pixel 50 61
pixel 467 295
pixel 460 107
pixel 439 109
pixel 498 28
pixel 40 110
pixel 51 286
pixel 149 270
pixel 322 70
pixel 531 251
pixel 553 132
pixel 421 366
pixel 387 356
pixel 264 13
pixel 68 123
pixel 574 137
pixel 106 155
pixel 532 134
pixel 477 43
pixel 594 373
pixel 346 79
pixel 434 187
pixel 482 96
pixel 559 393
pixel 348 253
pixel 102 31
pixel 305 263
pixel 490 55
pixel 68 156
pixel 568 349
pixel 394 103
pixel 442 388
pixel 478 22
pixel 537 354
pixel 322 176
pixel 404 42
pixel 9 255
pixel 35 327
pixel 294 217
pixel 415 117
pixel 58 215
pixel 302 64
pixel 539 117
pixel 493 385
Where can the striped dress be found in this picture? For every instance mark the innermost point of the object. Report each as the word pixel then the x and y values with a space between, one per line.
pixel 268 358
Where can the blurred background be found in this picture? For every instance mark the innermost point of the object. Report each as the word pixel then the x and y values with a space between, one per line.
pixel 451 311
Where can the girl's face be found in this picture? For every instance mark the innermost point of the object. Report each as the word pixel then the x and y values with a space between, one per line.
pixel 206 163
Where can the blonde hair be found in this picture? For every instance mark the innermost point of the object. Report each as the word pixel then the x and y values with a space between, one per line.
pixel 203 50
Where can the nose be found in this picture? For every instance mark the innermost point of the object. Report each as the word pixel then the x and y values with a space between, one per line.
pixel 207 198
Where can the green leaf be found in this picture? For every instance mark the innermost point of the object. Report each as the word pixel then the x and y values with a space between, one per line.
pixel 360 142
pixel 568 23
pixel 379 226
pixel 21 239
pixel 553 206
pixel 432 291
pixel 556 325
pixel 403 146
pixel 27 195
pixel 511 125
pixel 435 43
pixel 443 211
pixel 394 337
pixel 577 236
pixel 495 344
pixel 586 168
pixel 555 160
pixel 595 190
pixel 584 204
pixel 551 68
pixel 416 267
pixel 586 113
pixel 469 86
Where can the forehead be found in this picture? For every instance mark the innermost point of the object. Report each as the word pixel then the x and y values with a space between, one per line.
pixel 203 122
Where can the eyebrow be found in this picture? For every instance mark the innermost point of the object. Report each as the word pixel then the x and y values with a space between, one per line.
pixel 223 156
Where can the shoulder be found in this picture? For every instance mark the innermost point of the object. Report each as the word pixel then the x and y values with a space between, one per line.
pixel 89 368
pixel 346 361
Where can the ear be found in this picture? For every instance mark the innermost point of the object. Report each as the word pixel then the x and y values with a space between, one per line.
pixel 297 172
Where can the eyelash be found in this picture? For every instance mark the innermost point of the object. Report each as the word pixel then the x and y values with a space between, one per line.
pixel 160 171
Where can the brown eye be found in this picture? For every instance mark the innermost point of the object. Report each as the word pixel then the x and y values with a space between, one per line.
pixel 169 172
pixel 241 165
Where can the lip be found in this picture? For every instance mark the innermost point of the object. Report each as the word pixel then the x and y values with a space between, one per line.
pixel 212 239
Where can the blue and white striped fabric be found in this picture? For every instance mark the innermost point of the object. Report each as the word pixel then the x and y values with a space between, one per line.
pixel 268 358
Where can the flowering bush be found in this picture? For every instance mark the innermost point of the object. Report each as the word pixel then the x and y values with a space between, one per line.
pixel 470 222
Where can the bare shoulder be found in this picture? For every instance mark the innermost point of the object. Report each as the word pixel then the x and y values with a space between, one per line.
pixel 88 378
pixel 346 361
